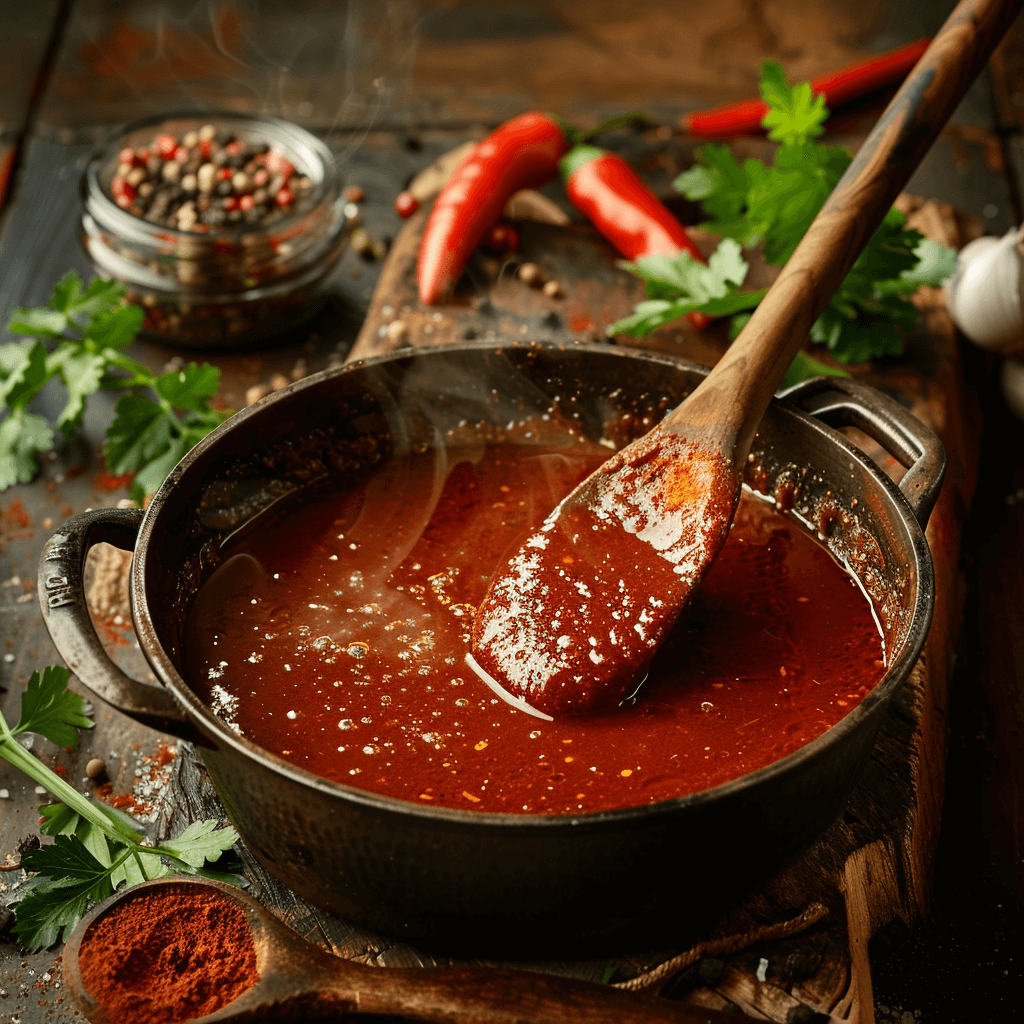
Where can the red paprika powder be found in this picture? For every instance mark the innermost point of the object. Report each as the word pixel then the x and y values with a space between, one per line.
pixel 167 955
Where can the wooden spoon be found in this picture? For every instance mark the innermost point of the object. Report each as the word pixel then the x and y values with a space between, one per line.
pixel 571 622
pixel 300 981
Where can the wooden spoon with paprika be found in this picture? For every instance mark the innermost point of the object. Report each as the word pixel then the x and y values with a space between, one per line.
pixel 571 622
pixel 287 978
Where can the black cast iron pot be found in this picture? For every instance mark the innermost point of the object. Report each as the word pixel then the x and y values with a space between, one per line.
pixel 492 881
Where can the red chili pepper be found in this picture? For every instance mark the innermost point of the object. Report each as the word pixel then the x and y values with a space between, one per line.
pixel 522 153
pixel 838 87
pixel 603 187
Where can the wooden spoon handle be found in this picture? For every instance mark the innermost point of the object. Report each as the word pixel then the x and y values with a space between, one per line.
pixel 740 387
pixel 487 995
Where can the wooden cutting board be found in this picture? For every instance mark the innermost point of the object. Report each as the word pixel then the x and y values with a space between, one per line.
pixel 802 940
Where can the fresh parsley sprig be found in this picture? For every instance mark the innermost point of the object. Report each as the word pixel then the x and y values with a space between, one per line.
pixel 753 203
pixel 80 337
pixel 96 848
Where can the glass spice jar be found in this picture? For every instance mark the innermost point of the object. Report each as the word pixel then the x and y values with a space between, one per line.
pixel 223 227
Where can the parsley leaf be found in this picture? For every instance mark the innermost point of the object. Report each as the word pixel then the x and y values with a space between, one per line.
pixel 22 372
pixel 935 265
pixel 805 366
pixel 795 113
pixel 773 205
pixel 148 437
pixel 23 435
pixel 87 327
pixel 678 284
pixel 96 848
pixel 202 841
pixel 68 879
pixel 52 710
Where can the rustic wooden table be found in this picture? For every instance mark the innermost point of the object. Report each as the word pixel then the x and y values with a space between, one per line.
pixel 390 95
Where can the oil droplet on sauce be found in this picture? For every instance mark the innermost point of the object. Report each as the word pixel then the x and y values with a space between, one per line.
pixel 393 595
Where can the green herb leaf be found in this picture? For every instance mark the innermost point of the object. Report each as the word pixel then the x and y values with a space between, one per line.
pixel 189 388
pixel 679 284
pixel 773 205
pixel 202 841
pixel 22 373
pixel 115 327
pixel 50 709
pixel 36 323
pixel 805 366
pixel 795 111
pixel 936 264
pixel 82 375
pixel 96 848
pixel 23 435
pixel 87 329
pixel 69 878
pixel 140 432
pixel 149 438
pixel 61 820
pixel 83 304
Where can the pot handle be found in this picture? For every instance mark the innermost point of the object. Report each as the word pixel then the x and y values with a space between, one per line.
pixel 62 601
pixel 842 401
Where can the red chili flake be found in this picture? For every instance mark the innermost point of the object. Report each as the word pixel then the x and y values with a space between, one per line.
pixel 127 802
pixel 284 197
pixel 164 755
pixel 165 145
pixel 225 173
pixel 110 482
pixel 126 156
pixel 247 202
pixel 233 147
pixel 231 203
pixel 406 204
pixel 17 514
pixel 181 154
pixel 60 769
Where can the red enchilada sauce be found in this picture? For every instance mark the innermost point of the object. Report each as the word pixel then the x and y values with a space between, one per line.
pixel 335 635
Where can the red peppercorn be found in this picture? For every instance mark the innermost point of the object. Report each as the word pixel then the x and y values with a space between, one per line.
pixel 124 195
pixel 233 147
pixel 278 164
pixel 126 156
pixel 246 202
pixel 406 204
pixel 260 178
pixel 502 238
pixel 165 145
pixel 231 203
pixel 181 154
pixel 354 194
pixel 205 149
pixel 225 173
pixel 284 197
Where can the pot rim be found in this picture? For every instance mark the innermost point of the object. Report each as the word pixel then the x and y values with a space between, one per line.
pixel 640 815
